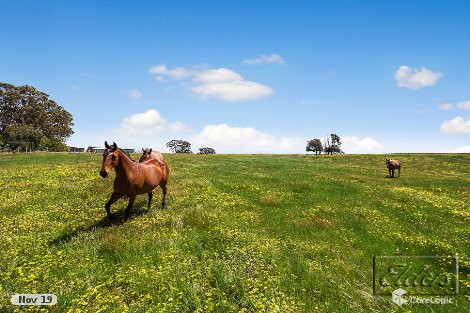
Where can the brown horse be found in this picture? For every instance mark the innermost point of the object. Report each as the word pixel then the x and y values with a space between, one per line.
pixel 148 154
pixel 132 178
pixel 392 165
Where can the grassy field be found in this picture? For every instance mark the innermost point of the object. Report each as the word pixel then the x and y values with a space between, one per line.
pixel 242 233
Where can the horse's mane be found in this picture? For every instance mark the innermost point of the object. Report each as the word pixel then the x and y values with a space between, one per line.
pixel 126 154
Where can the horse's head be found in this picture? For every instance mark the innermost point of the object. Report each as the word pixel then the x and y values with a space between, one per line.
pixel 146 154
pixel 110 159
pixel 387 162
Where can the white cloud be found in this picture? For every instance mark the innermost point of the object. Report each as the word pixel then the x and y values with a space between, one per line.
pixel 465 105
pixel 134 93
pixel 414 78
pixel 353 144
pixel 217 75
pixel 269 59
pixel 233 91
pixel 227 139
pixel 464 149
pixel 147 124
pixel 457 126
pixel 446 106
pixel 228 85
pixel 176 73
pixel 220 83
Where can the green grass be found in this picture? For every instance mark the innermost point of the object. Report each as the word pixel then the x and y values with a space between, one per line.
pixel 249 233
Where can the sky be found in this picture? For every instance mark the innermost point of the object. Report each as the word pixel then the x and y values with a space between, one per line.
pixel 248 76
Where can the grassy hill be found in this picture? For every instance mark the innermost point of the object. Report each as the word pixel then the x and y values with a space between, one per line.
pixel 249 233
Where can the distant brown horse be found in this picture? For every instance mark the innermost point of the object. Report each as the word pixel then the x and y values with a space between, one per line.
pixel 148 154
pixel 132 178
pixel 393 165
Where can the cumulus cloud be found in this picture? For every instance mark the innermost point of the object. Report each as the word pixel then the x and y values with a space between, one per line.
pixel 134 93
pixel 217 76
pixel 147 124
pixel 353 144
pixel 220 83
pixel 413 78
pixel 233 91
pixel 227 139
pixel 265 59
pixel 456 125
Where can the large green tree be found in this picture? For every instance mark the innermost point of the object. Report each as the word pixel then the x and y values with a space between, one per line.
pixel 28 116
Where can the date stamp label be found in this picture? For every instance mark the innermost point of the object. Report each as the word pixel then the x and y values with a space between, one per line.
pixel 34 299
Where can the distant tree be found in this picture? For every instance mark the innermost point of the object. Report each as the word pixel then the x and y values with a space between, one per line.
pixel 314 145
pixel 335 140
pixel 27 115
pixel 206 151
pixel 336 143
pixel 333 145
pixel 179 146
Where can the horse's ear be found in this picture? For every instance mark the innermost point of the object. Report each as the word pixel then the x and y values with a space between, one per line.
pixel 143 150
pixel 150 150
pixel 115 145
pixel 106 145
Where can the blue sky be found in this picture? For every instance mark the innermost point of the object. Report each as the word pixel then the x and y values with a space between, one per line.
pixel 249 76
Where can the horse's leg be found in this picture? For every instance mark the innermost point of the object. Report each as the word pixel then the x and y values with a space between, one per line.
pixel 114 197
pixel 150 199
pixel 163 186
pixel 129 207
pixel 393 172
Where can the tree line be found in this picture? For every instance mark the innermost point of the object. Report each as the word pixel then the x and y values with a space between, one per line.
pixel 330 145
pixel 183 146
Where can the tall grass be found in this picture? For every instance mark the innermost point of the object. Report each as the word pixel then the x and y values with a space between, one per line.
pixel 272 233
